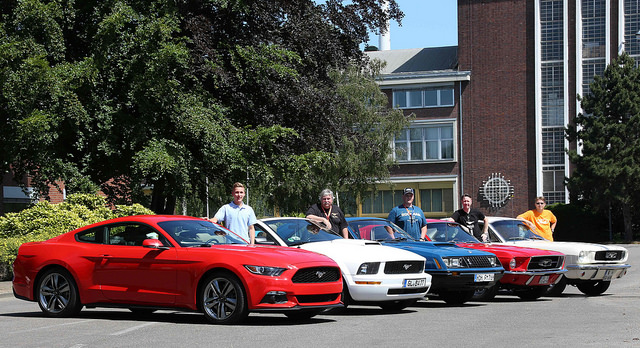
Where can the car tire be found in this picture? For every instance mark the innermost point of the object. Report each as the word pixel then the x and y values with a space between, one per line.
pixel 456 297
pixel 222 299
pixel 303 314
pixel 396 306
pixel 346 296
pixel 593 287
pixel 58 294
pixel 486 294
pixel 532 293
pixel 558 288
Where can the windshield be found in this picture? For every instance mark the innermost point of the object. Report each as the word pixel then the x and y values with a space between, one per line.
pixel 300 231
pixel 513 230
pixel 378 230
pixel 191 233
pixel 448 232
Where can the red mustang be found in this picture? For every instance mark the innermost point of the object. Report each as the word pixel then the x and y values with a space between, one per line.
pixel 151 262
pixel 528 271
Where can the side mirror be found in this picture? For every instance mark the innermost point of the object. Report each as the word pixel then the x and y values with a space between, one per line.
pixel 153 244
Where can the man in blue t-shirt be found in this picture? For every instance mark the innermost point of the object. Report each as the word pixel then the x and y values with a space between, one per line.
pixel 237 216
pixel 409 217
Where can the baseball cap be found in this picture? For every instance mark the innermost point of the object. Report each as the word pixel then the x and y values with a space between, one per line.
pixel 408 190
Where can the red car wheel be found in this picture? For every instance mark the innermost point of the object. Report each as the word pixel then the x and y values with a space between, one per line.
pixel 58 294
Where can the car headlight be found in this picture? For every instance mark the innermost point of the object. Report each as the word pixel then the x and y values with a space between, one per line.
pixel 369 268
pixel 582 256
pixel 452 262
pixel 512 263
pixel 265 270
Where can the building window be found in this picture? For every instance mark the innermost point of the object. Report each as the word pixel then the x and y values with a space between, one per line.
pixel 591 68
pixel 631 27
pixel 553 150
pixel 435 202
pixel 425 143
pixel 423 97
pixel 553 184
pixel 594 15
pixel 15 199
pixel 381 202
pixel 552 92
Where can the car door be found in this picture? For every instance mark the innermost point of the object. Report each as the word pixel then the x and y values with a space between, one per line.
pixel 129 272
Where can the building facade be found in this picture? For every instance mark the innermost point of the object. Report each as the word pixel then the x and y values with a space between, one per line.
pixel 519 67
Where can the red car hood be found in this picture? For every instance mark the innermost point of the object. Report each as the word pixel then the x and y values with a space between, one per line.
pixel 510 250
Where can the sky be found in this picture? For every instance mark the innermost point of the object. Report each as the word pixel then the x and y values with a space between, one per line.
pixel 426 23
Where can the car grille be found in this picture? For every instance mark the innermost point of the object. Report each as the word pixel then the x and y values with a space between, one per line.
pixel 317 298
pixel 609 255
pixel 477 261
pixel 317 275
pixel 403 267
pixel 545 262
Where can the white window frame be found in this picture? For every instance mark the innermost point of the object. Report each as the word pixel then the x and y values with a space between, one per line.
pixel 423 88
pixel 423 156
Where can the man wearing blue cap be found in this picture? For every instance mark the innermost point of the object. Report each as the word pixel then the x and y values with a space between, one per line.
pixel 409 217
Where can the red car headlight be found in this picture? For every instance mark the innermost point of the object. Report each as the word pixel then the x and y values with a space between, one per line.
pixel 265 270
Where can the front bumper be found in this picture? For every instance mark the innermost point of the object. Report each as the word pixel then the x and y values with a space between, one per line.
pixel 531 278
pixel 596 272
pixel 387 288
pixel 460 281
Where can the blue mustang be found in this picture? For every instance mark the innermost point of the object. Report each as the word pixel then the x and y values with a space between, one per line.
pixel 456 272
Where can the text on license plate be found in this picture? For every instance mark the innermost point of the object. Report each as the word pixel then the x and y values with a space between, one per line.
pixel 414 283
pixel 483 277
pixel 608 274
pixel 544 280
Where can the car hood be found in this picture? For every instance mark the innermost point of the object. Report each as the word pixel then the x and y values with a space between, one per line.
pixel 359 251
pixel 435 249
pixel 510 250
pixel 569 248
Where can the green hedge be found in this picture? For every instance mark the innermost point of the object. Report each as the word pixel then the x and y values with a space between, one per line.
pixel 578 224
pixel 45 220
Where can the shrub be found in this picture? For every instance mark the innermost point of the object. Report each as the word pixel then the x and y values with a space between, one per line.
pixel 578 224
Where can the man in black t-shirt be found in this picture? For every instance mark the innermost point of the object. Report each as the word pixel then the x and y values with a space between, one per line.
pixel 469 218
pixel 328 214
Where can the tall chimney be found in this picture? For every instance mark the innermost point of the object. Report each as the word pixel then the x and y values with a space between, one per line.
pixel 385 34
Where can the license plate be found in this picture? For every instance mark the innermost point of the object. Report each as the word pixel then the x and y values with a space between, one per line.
pixel 483 277
pixel 608 274
pixel 414 283
pixel 544 280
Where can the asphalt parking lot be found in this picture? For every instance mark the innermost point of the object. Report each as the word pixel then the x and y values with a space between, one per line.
pixel 5 289
pixel 610 320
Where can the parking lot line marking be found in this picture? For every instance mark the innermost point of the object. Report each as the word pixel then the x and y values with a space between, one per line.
pixel 51 326
pixel 122 332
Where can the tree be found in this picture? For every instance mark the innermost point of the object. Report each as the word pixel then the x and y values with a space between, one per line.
pixel 608 133
pixel 127 95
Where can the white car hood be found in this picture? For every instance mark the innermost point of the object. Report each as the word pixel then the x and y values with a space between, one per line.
pixel 570 248
pixel 360 251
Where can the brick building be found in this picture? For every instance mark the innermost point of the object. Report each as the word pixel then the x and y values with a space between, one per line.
pixel 13 198
pixel 513 79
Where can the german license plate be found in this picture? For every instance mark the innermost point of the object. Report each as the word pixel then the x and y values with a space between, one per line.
pixel 415 283
pixel 483 277
pixel 608 274
pixel 544 280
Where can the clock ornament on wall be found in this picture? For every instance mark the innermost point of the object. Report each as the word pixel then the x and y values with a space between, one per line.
pixel 496 190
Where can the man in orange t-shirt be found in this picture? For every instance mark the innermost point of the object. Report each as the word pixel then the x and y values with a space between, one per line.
pixel 541 221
